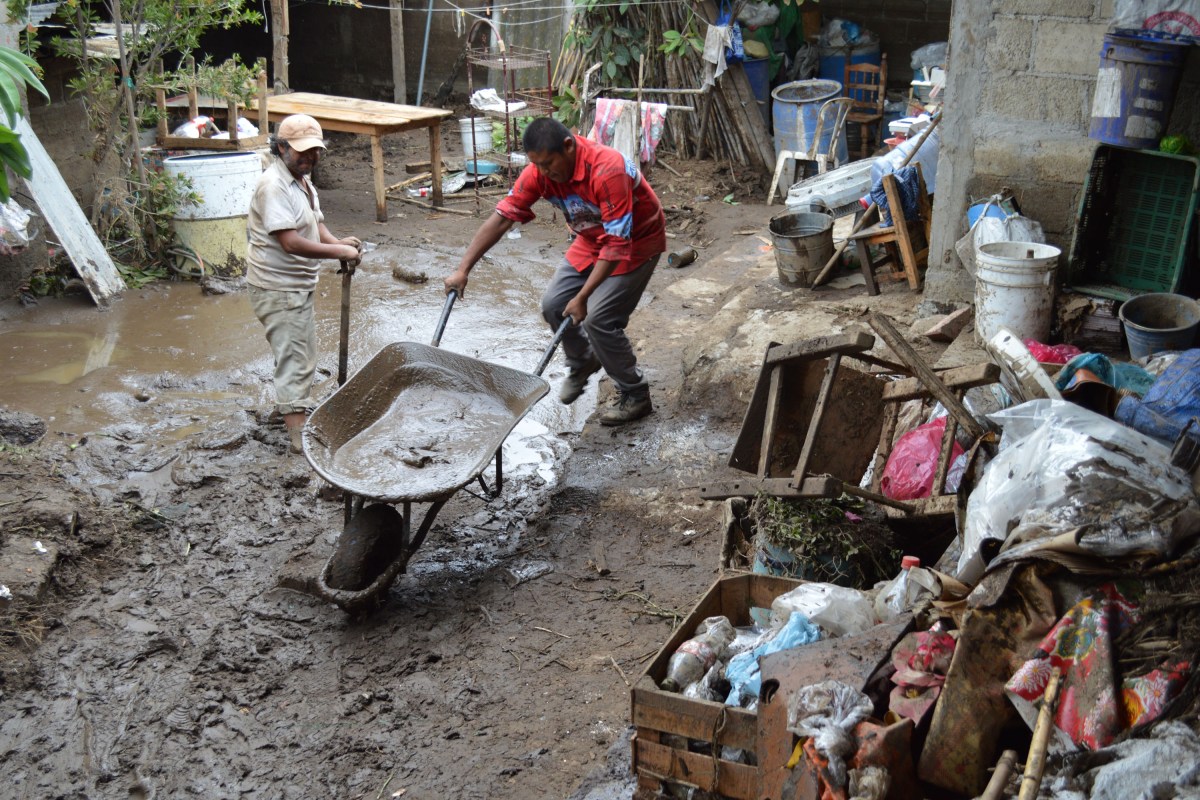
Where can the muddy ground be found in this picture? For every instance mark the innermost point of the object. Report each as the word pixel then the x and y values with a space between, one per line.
pixel 165 659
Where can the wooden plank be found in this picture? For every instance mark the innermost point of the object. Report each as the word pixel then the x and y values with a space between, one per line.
pixel 957 378
pixel 695 719
pixel 399 79
pixel 814 425
pixel 823 486
pixel 908 256
pixel 891 415
pixel 944 454
pixel 726 778
pixel 377 173
pixel 435 162
pixel 190 143
pixel 68 221
pixel 769 422
pixel 933 383
pixel 812 349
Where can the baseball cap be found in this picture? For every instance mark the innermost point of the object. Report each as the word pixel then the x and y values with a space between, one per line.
pixel 301 132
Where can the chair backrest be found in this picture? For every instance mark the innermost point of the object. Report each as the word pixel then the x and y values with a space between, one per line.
pixel 866 85
pixel 832 113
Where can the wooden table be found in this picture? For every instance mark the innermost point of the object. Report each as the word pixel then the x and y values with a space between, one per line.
pixel 374 118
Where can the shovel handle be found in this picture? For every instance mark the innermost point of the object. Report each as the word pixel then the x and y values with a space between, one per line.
pixel 347 271
pixel 451 296
pixel 549 354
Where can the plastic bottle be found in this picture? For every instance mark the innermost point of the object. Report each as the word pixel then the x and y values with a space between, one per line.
pixel 696 655
pixel 906 590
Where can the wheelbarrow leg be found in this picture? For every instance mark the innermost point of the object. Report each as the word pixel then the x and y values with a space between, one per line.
pixel 494 493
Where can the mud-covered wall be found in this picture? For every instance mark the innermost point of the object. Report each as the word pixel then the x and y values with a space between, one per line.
pixel 1018 109
pixel 902 26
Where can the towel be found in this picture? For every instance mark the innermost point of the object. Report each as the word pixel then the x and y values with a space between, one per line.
pixel 615 126
pixel 716 40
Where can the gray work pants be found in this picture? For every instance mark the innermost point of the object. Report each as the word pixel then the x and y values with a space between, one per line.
pixel 603 331
pixel 292 334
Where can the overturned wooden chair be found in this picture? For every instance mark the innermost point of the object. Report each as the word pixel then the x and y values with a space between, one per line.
pixel 905 242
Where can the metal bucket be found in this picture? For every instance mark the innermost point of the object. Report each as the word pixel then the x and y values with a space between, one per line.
pixel 1160 321
pixel 803 244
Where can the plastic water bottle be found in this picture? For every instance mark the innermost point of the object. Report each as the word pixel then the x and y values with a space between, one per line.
pixel 906 590
pixel 696 655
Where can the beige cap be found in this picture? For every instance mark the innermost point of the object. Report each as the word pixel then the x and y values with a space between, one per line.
pixel 301 132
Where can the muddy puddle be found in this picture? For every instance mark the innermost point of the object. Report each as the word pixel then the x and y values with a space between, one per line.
pixel 171 360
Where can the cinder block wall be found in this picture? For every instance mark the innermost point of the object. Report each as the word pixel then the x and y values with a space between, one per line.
pixel 1018 108
pixel 902 26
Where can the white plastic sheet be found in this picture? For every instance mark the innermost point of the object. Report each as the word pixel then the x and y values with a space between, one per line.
pixel 1172 18
pixel 1071 478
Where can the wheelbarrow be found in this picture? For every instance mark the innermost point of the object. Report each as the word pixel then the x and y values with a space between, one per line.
pixel 415 425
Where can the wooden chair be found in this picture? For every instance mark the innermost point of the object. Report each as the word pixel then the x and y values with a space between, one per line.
pixel 905 241
pixel 833 112
pixel 866 85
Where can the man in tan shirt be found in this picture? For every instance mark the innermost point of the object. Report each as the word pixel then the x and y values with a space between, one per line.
pixel 287 238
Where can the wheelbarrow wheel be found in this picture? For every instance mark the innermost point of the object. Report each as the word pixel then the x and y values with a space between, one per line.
pixel 368 544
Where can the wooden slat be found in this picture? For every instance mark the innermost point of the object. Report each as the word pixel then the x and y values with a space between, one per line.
pixel 823 486
pixel 813 349
pixel 726 778
pixel 957 378
pixel 190 143
pixel 891 415
pixel 695 719
pixel 68 221
pixel 814 425
pixel 769 422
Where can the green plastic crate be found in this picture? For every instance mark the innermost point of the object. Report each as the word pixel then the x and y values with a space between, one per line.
pixel 1131 233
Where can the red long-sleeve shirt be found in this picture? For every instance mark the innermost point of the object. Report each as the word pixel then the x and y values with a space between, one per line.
pixel 608 204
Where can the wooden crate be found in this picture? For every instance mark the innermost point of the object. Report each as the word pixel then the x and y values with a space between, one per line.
pixel 665 721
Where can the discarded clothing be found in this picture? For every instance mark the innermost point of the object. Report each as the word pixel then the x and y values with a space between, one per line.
pixel 606 131
pixel 1094 706
pixel 921 661
pixel 716 40
pixel 1117 374
pixel 489 100
pixel 1169 403
pixel 909 188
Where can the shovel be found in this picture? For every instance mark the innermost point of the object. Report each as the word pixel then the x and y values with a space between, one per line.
pixel 452 295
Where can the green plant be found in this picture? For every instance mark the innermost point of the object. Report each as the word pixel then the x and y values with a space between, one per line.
pixel 601 31
pixel 16 72
pixel 568 106
pixel 676 43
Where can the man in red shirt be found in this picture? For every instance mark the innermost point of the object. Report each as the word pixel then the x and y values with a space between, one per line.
pixel 620 232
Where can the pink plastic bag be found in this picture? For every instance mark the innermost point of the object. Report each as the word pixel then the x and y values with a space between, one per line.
pixel 1052 353
pixel 910 468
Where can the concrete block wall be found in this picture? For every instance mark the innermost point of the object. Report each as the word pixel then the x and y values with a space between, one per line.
pixel 902 26
pixel 1018 109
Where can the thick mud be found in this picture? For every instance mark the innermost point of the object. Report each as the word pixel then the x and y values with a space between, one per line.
pixel 163 657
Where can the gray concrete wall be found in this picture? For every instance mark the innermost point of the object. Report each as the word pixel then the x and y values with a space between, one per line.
pixel 902 26
pixel 1018 108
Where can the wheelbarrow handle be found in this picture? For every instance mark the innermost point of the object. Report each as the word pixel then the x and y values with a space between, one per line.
pixel 451 296
pixel 549 354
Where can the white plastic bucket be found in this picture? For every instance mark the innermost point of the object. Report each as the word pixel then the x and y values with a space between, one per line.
pixel 482 141
pixel 224 181
pixel 1014 289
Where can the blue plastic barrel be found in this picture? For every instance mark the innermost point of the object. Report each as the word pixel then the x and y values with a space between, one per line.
pixel 795 111
pixel 760 84
pixel 1135 90
pixel 831 64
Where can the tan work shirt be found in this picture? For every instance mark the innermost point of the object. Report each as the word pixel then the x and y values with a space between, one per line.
pixel 282 203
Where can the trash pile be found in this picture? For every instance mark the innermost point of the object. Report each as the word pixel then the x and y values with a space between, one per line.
pixel 1047 644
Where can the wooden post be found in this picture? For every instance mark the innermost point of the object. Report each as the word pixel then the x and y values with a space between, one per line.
pixel 399 80
pixel 279 45
pixel 263 120
pixel 127 90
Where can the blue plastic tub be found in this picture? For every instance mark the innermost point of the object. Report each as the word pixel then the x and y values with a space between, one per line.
pixel 1135 90
pixel 831 64
pixel 795 111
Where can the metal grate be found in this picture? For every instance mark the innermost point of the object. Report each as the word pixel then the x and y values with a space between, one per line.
pixel 1131 232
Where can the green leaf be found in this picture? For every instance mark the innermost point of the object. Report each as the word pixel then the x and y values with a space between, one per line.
pixel 10 98
pixel 621 55
pixel 729 199
pixel 611 69
pixel 4 193
pixel 624 6
pixel 19 65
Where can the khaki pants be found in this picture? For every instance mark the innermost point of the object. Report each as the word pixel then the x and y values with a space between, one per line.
pixel 292 334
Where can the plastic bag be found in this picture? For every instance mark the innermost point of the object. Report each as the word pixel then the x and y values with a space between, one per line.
pixel 1064 471
pixel 196 128
pixel 1052 353
pixel 838 610
pixel 910 468
pixel 988 229
pixel 828 712
pixel 735 51
pixel 743 673
pixel 930 55
pixel 1165 19
pixel 756 15
pixel 17 228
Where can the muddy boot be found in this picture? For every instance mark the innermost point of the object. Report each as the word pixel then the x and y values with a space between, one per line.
pixel 576 381
pixel 628 407
pixel 295 428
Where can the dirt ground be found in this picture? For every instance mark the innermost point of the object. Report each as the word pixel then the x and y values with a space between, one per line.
pixel 166 660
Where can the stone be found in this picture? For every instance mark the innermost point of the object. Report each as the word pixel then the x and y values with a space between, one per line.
pixel 948 328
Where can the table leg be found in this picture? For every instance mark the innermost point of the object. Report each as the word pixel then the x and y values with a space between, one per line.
pixel 435 161
pixel 380 189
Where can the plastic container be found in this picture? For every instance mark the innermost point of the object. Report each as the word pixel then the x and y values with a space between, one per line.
pixel 1014 289
pixel 696 655
pixel 1135 90
pixel 215 228
pixel 476 135
pixel 839 189
pixel 803 244
pixel 757 73
pixel 795 110
pixel 1157 322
